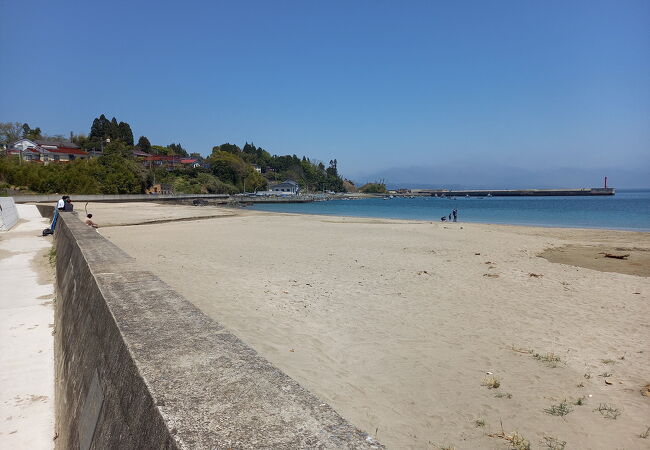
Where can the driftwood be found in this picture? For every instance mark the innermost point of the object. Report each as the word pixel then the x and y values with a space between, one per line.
pixel 611 255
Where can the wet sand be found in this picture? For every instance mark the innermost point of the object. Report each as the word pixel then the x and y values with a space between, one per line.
pixel 397 324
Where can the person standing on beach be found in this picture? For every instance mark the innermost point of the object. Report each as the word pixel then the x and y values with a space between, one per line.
pixel 455 214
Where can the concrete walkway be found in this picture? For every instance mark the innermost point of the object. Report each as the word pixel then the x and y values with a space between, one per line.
pixel 26 341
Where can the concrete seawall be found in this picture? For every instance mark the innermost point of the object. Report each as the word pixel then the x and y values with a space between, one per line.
pixel 8 213
pixel 138 366
pixel 53 198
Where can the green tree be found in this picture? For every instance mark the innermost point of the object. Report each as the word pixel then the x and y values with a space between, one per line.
pixel 232 169
pixel 177 149
pixel 144 144
pixel 124 133
pixel 32 134
pixel 373 188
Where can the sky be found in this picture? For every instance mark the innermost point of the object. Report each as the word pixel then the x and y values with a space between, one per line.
pixel 465 92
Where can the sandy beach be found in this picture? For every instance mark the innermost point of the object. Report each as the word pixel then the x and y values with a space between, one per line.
pixel 406 328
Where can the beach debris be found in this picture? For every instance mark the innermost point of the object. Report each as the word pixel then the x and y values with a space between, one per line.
pixel 489 373
pixel 292 350
pixel 535 275
pixel 638 293
pixel 646 390
pixel 527 351
pixel 491 382
pixel 607 382
pixel 645 434
pixel 477 254
pixel 516 440
pixel 421 272
pixel 552 443
pixel 614 256
pixel 489 262
pixel 491 275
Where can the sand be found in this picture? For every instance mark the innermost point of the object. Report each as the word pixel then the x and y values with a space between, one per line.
pixel 397 324
pixel 139 213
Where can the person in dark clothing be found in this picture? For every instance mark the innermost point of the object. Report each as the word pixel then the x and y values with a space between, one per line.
pixel 455 214
pixel 68 207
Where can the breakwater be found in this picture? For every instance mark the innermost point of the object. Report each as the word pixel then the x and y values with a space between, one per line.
pixel 138 366
pixel 521 192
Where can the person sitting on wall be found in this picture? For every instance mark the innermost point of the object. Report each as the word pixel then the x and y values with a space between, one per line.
pixel 89 221
pixel 68 207
pixel 60 205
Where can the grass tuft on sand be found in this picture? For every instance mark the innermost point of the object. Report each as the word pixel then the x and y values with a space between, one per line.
pixel 491 382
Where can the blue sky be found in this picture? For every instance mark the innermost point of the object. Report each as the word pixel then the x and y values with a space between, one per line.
pixel 381 86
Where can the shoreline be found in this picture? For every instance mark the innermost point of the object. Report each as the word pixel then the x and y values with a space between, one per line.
pixel 552 227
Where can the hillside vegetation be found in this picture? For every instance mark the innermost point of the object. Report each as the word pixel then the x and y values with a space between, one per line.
pixel 228 169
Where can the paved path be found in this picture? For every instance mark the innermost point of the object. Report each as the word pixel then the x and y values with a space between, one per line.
pixel 26 341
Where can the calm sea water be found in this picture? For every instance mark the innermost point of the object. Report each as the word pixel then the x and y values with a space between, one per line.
pixel 627 210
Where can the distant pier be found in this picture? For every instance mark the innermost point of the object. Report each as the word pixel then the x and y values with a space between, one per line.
pixel 518 192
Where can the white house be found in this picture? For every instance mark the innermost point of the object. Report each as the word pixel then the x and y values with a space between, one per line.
pixel 289 187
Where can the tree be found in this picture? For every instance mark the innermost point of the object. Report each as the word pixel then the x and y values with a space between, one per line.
pixel 177 149
pixel 100 128
pixel 28 133
pixel 227 147
pixel 144 144
pixel 378 187
pixel 232 169
pixel 124 133
pixel 10 132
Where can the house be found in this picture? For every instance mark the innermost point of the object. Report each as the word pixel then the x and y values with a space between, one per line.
pixel 257 168
pixel 46 151
pixel 140 154
pixel 161 188
pixel 289 187
pixel 191 162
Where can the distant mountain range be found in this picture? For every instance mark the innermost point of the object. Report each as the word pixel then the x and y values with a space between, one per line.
pixel 499 177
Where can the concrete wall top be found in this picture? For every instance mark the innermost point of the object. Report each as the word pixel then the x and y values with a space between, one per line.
pixel 163 374
pixel 112 197
pixel 8 213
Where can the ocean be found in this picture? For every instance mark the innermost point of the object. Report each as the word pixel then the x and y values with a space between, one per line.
pixel 627 210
